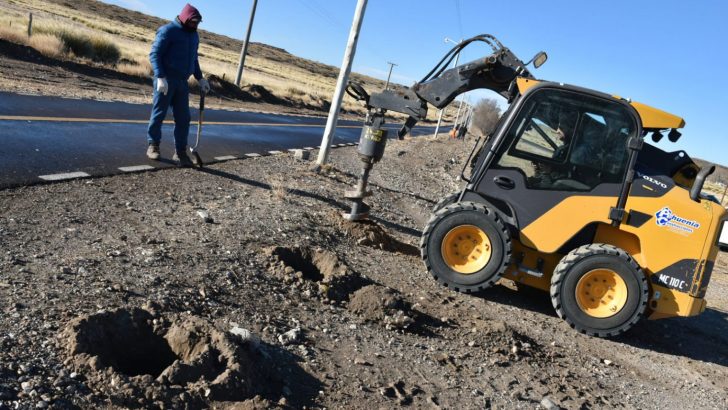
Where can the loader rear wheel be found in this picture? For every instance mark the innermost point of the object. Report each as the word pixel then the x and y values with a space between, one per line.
pixel 465 246
pixel 599 290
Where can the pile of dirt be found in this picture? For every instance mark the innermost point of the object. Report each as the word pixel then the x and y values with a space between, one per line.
pixel 315 272
pixel 141 358
pixel 370 233
pixel 505 345
pixel 380 304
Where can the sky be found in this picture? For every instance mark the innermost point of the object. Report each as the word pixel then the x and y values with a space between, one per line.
pixel 670 54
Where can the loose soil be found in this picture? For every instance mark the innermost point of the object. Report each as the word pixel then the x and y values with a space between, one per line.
pixel 116 293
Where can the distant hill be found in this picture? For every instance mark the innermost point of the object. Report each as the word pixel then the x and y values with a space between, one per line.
pixel 720 174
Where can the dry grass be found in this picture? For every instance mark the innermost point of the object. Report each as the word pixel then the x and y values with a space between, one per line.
pixel 83 44
pixel 278 189
pixel 139 68
pixel 14 35
pixel 47 44
pixel 717 190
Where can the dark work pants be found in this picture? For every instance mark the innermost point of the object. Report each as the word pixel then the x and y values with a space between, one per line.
pixel 178 97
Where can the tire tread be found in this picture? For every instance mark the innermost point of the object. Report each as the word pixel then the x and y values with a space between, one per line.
pixel 460 207
pixel 582 252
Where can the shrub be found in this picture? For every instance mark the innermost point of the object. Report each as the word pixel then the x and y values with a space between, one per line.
pixel 82 45
pixel 46 44
pixel 105 51
pixel 13 36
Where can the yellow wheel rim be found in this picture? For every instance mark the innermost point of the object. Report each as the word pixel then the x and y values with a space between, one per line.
pixel 601 293
pixel 466 249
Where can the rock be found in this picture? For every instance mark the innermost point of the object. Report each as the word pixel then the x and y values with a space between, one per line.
pixel 42 405
pixel 608 362
pixel 65 270
pixel 246 336
pixel 301 155
pixel 290 337
pixel 360 361
pixel 7 393
pixel 26 386
pixel 549 404
pixel 205 216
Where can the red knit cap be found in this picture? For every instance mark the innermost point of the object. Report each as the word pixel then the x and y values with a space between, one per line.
pixel 189 13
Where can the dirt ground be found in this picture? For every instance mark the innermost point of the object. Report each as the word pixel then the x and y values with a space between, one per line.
pixel 239 286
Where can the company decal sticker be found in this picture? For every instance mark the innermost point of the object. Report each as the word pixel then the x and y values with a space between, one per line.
pixel 667 219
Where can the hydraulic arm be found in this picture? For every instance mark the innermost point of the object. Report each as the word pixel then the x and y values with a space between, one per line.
pixel 439 88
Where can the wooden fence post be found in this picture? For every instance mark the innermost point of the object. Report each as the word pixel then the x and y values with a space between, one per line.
pixel 30 24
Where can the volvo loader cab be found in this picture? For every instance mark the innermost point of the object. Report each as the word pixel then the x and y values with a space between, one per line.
pixel 565 196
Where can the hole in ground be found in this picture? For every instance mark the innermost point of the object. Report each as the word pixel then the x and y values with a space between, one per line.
pixel 300 260
pixel 125 340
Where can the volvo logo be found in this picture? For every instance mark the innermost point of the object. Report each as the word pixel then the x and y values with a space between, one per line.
pixel 653 180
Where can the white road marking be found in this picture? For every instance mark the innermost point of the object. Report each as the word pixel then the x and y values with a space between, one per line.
pixel 136 168
pixel 61 177
pixel 275 152
pixel 226 158
pixel 252 155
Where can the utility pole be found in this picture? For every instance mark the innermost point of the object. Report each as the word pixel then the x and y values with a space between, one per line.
pixel 244 52
pixel 457 116
pixel 30 24
pixel 341 83
pixel 391 66
pixel 439 117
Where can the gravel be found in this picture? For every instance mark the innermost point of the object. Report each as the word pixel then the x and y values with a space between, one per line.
pixel 82 249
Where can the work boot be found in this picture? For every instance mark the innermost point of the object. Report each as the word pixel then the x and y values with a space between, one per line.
pixel 184 160
pixel 153 151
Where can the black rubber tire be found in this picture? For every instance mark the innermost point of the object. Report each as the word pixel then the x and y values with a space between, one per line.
pixel 466 213
pixel 584 259
pixel 445 201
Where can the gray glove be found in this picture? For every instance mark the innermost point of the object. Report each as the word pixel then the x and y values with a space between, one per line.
pixel 162 86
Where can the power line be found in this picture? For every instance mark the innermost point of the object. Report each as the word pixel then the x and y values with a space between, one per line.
pixel 323 12
pixel 459 17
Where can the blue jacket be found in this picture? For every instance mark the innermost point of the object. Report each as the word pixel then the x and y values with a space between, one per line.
pixel 174 53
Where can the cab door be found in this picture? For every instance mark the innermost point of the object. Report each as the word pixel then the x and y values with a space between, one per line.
pixel 561 164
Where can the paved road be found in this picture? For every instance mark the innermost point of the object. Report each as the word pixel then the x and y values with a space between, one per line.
pixel 48 138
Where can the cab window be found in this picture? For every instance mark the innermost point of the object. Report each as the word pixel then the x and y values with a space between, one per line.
pixel 563 140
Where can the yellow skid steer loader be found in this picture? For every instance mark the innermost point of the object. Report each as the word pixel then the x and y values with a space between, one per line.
pixel 564 196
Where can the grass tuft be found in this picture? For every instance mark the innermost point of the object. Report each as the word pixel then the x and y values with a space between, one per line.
pixel 14 36
pixel 47 44
pixel 137 67
pixel 82 45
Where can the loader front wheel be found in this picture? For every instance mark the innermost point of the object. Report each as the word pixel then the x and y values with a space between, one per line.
pixel 445 201
pixel 599 290
pixel 465 246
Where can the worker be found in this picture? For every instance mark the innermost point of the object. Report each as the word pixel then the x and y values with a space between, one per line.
pixel 546 173
pixel 174 59
pixel 462 130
